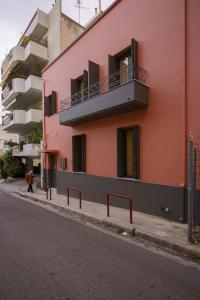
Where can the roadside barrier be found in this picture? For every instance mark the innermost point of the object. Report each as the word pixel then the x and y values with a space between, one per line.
pixel 123 197
pixel 76 190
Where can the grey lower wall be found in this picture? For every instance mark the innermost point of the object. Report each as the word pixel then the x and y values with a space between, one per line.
pixel 147 198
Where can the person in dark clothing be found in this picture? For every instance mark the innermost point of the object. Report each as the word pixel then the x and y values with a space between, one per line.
pixel 29 179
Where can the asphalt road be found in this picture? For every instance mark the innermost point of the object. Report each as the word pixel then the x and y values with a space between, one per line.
pixel 46 256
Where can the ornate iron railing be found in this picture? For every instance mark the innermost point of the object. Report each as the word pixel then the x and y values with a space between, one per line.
pixel 118 78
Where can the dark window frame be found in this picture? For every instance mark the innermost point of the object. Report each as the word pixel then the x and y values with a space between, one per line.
pixel 50 104
pixel 79 159
pixel 121 151
pixel 113 64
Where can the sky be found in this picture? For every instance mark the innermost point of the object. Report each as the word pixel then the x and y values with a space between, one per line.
pixel 16 14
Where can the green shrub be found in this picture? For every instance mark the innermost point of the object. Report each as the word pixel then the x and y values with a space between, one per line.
pixel 12 166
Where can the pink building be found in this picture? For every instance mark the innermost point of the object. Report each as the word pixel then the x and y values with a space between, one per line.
pixel 120 103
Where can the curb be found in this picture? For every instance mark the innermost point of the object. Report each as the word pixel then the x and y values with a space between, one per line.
pixel 181 250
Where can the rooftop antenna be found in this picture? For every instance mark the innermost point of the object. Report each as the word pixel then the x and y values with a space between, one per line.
pixel 79 6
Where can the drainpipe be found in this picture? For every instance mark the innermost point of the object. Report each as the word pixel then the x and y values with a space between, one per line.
pixel 44 137
pixel 186 112
pixel 186 92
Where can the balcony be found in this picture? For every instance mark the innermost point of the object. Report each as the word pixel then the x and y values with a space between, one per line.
pixel 26 150
pixel 15 56
pixel 21 121
pixel 38 25
pixel 33 52
pixel 29 89
pixel 121 92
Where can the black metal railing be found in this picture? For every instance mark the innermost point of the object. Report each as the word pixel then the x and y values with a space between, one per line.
pixel 7 119
pixel 116 79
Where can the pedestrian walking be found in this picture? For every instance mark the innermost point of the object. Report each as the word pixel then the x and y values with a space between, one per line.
pixel 29 179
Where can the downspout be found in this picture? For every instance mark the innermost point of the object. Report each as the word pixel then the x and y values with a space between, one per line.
pixel 186 117
pixel 186 94
pixel 44 138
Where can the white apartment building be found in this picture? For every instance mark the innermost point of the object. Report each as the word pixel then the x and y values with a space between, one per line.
pixel 45 37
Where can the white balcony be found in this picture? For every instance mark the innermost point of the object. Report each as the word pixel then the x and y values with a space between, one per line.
pixel 21 121
pixel 39 24
pixel 15 56
pixel 28 150
pixel 30 88
pixel 38 53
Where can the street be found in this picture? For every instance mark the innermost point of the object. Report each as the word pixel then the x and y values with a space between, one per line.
pixel 46 256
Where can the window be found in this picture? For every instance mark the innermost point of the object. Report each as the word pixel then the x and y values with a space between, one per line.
pixel 128 152
pixel 50 104
pixel 79 153
pixel 78 86
pixel 87 85
pixel 123 65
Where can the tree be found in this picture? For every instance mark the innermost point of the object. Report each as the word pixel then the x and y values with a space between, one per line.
pixel 10 143
pixel 36 135
pixel 12 166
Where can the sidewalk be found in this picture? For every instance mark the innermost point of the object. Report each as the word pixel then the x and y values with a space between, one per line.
pixel 168 234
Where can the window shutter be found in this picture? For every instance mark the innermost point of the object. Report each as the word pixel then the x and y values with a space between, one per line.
pixel 74 154
pixel 47 106
pixel 53 102
pixel 83 142
pixel 85 83
pixel 136 152
pixel 93 69
pixel 112 68
pixel 134 57
pixel 73 90
pixel 121 155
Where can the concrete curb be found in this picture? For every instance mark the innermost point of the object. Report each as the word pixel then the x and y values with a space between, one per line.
pixel 181 250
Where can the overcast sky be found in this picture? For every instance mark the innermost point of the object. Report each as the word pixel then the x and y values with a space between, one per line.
pixel 16 14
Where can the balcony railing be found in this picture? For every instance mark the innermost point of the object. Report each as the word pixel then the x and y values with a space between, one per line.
pixel 6 61
pixel 6 91
pixel 118 78
pixel 7 119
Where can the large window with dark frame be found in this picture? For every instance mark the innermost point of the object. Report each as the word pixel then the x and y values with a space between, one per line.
pixel 123 65
pixel 50 104
pixel 79 153
pixel 128 152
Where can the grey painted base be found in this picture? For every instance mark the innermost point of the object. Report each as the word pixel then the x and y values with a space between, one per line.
pixel 148 198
